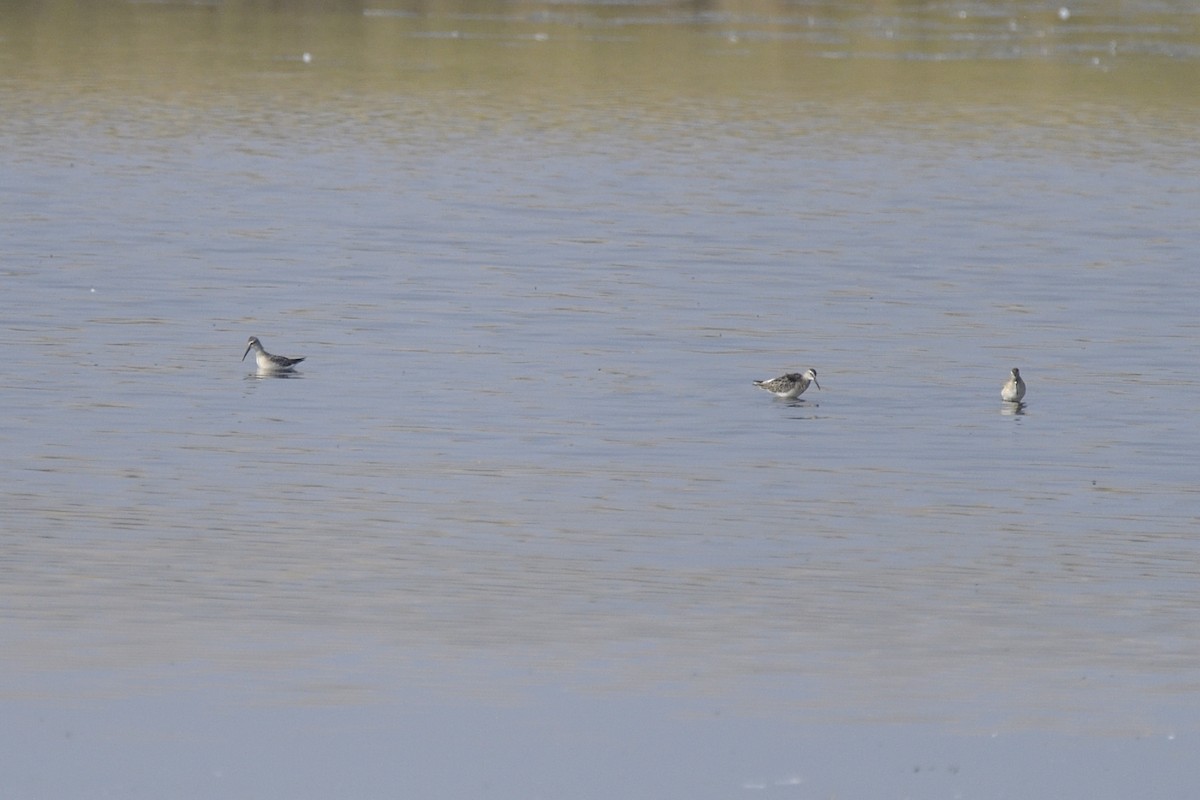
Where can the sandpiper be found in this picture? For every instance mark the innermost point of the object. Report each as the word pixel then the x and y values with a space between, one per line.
pixel 789 386
pixel 267 362
pixel 1014 390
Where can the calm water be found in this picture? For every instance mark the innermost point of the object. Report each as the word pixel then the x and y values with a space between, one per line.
pixel 521 526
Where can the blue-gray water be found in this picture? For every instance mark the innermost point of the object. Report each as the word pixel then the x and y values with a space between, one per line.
pixel 521 526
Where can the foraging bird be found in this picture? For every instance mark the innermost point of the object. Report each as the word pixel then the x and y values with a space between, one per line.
pixel 267 362
pixel 1014 389
pixel 789 386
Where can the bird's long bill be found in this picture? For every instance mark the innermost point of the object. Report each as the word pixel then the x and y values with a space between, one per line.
pixel 815 382
pixel 247 351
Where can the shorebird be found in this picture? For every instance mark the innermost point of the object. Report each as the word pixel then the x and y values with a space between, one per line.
pixel 1014 390
pixel 267 362
pixel 789 386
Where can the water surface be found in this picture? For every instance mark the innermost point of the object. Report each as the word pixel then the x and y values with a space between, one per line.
pixel 521 526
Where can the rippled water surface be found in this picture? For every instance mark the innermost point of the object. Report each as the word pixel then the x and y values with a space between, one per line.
pixel 520 526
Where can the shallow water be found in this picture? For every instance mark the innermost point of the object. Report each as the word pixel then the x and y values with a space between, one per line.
pixel 521 525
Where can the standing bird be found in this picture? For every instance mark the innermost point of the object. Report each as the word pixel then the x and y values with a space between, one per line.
pixel 1014 389
pixel 267 362
pixel 789 386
